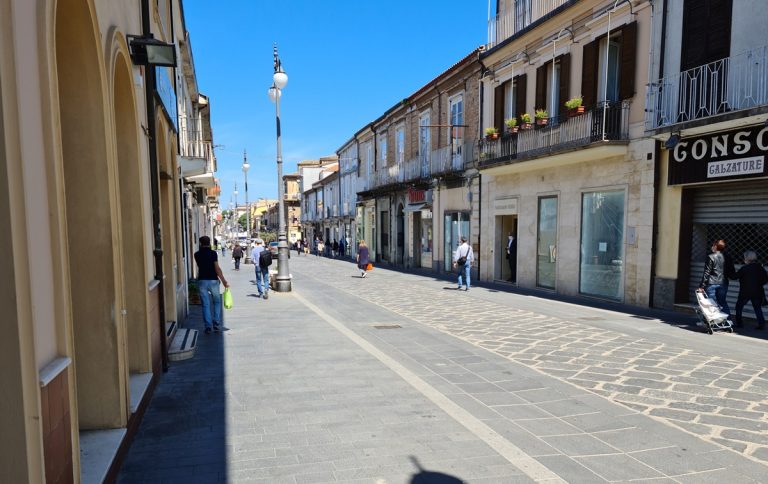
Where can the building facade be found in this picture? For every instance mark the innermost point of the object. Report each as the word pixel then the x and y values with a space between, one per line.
pixel 98 239
pixel 574 190
pixel 707 106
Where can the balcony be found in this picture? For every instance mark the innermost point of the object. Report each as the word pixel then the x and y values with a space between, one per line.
pixel 521 15
pixel 563 133
pixel 729 85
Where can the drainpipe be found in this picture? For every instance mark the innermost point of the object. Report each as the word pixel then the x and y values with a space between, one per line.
pixel 154 181
pixel 655 223
pixel 479 220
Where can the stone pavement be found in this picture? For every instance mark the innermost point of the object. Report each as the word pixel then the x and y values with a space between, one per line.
pixel 354 380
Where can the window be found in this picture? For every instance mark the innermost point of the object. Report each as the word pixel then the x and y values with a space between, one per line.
pixel 602 244
pixel 509 100
pixel 552 85
pixel 456 225
pixel 546 245
pixel 523 10
pixel 608 82
pixel 400 144
pixel 383 148
pixel 456 112
pixel 424 142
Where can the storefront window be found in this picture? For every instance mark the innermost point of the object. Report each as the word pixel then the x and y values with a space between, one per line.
pixel 546 254
pixel 456 226
pixel 602 244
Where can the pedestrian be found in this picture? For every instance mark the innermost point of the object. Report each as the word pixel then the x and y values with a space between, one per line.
pixel 512 257
pixel 462 260
pixel 362 258
pixel 335 248
pixel 208 277
pixel 328 247
pixel 342 247
pixel 262 268
pixel 223 249
pixel 718 268
pixel 752 277
pixel 237 254
pixel 320 248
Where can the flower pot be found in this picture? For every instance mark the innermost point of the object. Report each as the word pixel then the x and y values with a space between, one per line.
pixel 492 136
pixel 542 121
pixel 527 126
pixel 577 111
pixel 513 129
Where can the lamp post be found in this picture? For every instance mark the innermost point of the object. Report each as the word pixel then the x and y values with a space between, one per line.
pixel 237 218
pixel 246 165
pixel 283 281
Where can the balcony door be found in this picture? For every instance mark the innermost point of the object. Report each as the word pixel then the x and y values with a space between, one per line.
pixel 424 144
pixel 456 105
pixel 703 87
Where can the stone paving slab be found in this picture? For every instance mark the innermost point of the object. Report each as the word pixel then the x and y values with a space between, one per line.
pixel 718 398
pixel 284 396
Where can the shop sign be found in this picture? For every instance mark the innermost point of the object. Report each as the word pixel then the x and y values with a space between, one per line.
pixel 416 196
pixel 732 155
pixel 166 94
pixel 425 213
pixel 505 206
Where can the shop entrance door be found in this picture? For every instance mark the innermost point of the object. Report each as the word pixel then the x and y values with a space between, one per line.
pixel 505 267
pixel 417 237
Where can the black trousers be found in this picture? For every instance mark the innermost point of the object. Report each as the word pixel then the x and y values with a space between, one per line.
pixel 512 260
pixel 756 301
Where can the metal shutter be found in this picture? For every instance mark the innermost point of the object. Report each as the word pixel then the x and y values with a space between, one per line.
pixel 736 212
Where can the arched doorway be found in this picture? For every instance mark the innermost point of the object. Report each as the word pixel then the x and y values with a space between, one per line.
pixel 90 219
pixel 133 252
pixel 400 255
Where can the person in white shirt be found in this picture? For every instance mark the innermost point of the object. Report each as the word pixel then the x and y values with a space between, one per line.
pixel 462 260
pixel 262 273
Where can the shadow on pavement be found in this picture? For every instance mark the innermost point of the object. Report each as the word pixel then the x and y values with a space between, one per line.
pixel 431 477
pixel 182 437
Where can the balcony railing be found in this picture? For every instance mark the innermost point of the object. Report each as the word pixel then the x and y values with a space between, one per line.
pixel 730 84
pixel 522 14
pixel 560 134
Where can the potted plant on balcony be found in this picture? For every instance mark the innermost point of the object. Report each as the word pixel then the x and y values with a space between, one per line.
pixel 511 125
pixel 491 133
pixel 525 119
pixel 575 106
pixel 542 117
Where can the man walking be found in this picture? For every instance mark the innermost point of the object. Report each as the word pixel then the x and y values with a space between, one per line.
pixel 208 277
pixel 262 267
pixel 237 254
pixel 462 260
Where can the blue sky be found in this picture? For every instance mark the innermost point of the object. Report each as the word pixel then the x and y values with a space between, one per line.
pixel 347 62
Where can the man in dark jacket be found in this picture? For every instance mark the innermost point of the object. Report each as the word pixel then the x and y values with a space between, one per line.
pixel 718 268
pixel 752 278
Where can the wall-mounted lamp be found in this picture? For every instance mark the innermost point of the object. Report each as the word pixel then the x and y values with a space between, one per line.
pixel 672 141
pixel 148 51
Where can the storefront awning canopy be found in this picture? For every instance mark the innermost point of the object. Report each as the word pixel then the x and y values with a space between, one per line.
pixel 415 207
pixel 206 180
pixel 192 166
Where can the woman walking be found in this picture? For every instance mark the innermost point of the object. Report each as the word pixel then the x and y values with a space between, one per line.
pixel 362 258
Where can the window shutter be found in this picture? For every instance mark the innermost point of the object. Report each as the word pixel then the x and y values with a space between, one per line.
pixel 628 58
pixel 565 79
pixel 498 106
pixel 589 73
pixel 719 33
pixel 541 87
pixel 520 93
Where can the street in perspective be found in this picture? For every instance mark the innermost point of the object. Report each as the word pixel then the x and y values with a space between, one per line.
pixel 402 242
pixel 396 377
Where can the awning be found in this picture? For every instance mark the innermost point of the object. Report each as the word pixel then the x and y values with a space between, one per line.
pixel 415 207
pixel 192 166
pixel 206 180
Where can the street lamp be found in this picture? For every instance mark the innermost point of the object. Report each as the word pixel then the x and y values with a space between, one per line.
pixel 283 280
pixel 247 208
pixel 237 219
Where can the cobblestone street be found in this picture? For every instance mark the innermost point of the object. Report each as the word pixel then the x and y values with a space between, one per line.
pixel 350 380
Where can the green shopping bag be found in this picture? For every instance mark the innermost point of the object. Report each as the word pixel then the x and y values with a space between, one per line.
pixel 228 303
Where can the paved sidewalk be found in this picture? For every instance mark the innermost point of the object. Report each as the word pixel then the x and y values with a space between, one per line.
pixel 351 380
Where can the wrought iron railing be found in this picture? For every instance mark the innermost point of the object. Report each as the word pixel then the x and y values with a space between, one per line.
pixel 522 14
pixel 731 84
pixel 606 122
pixel 449 159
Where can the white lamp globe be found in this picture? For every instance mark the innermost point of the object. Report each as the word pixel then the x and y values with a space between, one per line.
pixel 246 166
pixel 280 79
pixel 274 93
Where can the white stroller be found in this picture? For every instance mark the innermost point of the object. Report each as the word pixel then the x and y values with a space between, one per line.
pixel 710 315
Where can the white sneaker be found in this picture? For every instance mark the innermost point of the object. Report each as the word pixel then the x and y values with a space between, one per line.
pixel 365 274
